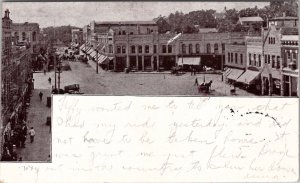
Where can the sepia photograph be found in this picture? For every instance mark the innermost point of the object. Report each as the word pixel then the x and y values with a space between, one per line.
pixel 199 49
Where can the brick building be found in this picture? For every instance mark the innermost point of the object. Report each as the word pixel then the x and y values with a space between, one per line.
pixel 290 65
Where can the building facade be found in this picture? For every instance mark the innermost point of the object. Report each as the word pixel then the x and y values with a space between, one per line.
pixel 77 36
pixel 290 65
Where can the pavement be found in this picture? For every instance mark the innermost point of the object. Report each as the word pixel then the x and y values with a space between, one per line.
pixel 40 149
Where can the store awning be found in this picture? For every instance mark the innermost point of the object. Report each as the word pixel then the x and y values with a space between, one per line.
pixel 90 51
pixel 189 61
pixel 227 71
pixel 81 47
pixel 235 74
pixel 248 77
pixel 101 59
pixel 93 54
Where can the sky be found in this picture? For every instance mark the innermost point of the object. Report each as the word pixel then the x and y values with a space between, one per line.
pixel 82 13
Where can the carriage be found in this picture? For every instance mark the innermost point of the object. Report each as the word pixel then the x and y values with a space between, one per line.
pixel 204 87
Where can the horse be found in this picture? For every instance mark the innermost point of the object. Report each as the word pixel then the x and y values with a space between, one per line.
pixel 205 86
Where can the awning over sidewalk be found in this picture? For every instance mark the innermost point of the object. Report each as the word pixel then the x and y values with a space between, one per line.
pixel 235 74
pixel 189 61
pixel 227 71
pixel 102 58
pixel 81 47
pixel 90 51
pixel 248 77
pixel 93 54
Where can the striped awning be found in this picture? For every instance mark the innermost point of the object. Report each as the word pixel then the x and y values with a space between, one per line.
pixel 235 74
pixel 248 77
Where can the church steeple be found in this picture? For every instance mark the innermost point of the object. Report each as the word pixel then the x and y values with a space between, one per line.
pixel 6 15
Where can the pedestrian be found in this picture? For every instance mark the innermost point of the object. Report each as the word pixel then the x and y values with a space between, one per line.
pixel 41 96
pixel 49 80
pixel 23 135
pixel 196 82
pixel 194 71
pixel 191 69
pixel 32 134
pixel 44 71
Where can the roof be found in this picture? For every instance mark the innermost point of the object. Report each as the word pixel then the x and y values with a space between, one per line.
pixel 284 18
pixel 289 31
pixel 207 30
pixel 290 38
pixel 127 22
pixel 250 19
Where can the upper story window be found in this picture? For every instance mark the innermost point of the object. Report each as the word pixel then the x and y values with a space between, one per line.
pixel 123 49
pixel 250 59
pixel 228 59
pixel 147 49
pixel 118 49
pixel 169 48
pixel 164 48
pixel 132 49
pixel 197 48
pixel 154 48
pixel 216 48
pixel 208 48
pixel 190 48
pixel 223 47
pixel 259 60
pixel 123 32
pixel 110 48
pixel 231 57
pixel 236 58
pixel 140 48
pixel 241 58
pixel 183 49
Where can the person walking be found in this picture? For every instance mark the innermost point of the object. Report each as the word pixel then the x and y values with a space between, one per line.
pixel 41 96
pixel 49 80
pixel 44 71
pixel 32 134
pixel 196 82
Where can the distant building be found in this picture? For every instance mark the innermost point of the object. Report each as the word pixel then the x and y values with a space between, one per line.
pixel 207 30
pixel 284 21
pixel 77 37
pixel 253 24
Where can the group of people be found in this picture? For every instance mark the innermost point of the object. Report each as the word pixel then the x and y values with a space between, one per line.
pixel 16 139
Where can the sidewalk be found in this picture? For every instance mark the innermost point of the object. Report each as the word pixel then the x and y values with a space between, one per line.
pixel 37 113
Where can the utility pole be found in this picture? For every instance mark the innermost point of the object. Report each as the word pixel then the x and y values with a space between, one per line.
pixel 97 70
pixel 59 69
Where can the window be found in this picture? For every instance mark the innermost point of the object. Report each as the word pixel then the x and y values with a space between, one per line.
pixel 231 57
pixel 154 48
pixel 34 36
pixel 250 59
pixel 110 49
pixel 164 48
pixel 23 36
pixel 269 60
pixel 197 48
pixel 190 49
pixel 273 61
pixel 294 56
pixel 278 62
pixel 236 57
pixel 223 47
pixel 140 49
pixel 241 58
pixel 288 55
pixel 266 59
pixel 169 48
pixel 132 49
pixel 183 49
pixel 147 49
pixel 216 48
pixel 269 40
pixel 228 59
pixel 131 33
pixel 254 58
pixel 124 32
pixel 259 60
pixel 208 48
pixel 123 49
pixel 118 49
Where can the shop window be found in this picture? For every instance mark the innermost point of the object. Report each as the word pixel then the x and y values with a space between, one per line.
pixel 278 62
pixel 169 48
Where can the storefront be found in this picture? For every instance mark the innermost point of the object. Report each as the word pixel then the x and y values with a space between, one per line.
pixel 290 82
